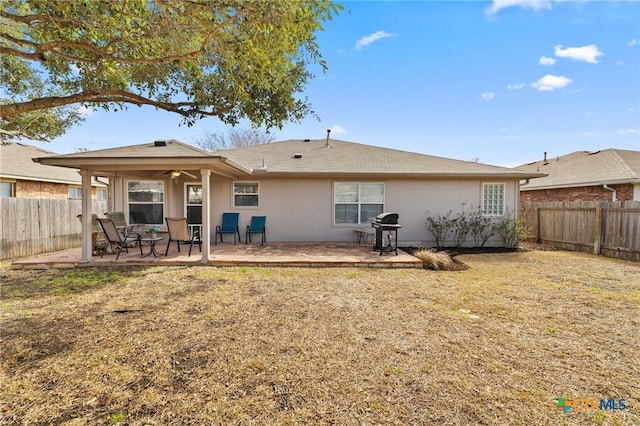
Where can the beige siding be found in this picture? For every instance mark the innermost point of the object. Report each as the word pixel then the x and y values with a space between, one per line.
pixel 300 209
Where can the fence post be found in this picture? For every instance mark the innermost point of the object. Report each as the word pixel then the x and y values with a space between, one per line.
pixel 598 231
pixel 537 217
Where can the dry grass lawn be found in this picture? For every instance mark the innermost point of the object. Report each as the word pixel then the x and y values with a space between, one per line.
pixel 496 344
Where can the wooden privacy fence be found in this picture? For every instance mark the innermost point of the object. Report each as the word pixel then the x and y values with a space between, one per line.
pixel 609 229
pixel 37 225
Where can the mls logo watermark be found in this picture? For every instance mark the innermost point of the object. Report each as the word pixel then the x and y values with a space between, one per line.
pixel 584 404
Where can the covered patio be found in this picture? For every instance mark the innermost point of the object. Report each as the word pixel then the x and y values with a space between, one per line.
pixel 306 254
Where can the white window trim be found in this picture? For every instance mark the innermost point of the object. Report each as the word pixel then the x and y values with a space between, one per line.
pixel 76 187
pixel 233 194
pixel 333 202
pixel 12 184
pixel 106 194
pixel 504 198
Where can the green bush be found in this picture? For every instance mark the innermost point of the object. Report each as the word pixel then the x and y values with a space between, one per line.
pixel 512 230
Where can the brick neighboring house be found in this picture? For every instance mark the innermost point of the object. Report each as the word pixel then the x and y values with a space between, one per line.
pixel 606 175
pixel 21 177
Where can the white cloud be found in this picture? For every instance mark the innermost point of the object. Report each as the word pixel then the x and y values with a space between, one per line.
pixel 515 86
pixel 546 61
pixel 588 53
pixel 85 111
pixel 367 40
pixel 549 83
pixel 489 96
pixel 338 130
pixel 498 5
pixel 632 109
pixel 633 42
pixel 628 132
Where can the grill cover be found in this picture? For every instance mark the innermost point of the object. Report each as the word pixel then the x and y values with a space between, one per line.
pixel 387 219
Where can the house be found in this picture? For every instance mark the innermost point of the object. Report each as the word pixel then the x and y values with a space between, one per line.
pixel 607 175
pixel 20 177
pixel 310 190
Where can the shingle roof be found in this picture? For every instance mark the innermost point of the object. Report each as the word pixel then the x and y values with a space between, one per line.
pixel 16 163
pixel 157 155
pixel 584 168
pixel 292 157
pixel 340 157
pixel 157 149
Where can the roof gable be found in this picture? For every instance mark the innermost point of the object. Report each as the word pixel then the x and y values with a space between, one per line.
pixel 157 149
pixel 584 168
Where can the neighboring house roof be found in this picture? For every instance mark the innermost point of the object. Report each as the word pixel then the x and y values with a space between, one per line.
pixel 335 157
pixel 317 157
pixel 16 163
pixel 584 168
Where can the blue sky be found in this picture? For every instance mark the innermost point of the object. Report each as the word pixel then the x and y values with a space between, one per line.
pixel 499 81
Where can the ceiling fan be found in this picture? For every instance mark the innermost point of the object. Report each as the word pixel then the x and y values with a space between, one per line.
pixel 176 173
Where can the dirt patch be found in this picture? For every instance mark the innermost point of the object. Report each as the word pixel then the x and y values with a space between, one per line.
pixel 498 343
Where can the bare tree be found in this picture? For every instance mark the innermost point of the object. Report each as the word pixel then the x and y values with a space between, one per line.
pixel 236 137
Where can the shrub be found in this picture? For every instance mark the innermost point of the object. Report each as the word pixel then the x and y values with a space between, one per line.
pixel 481 227
pixel 458 228
pixel 512 230
pixel 439 260
pixel 440 227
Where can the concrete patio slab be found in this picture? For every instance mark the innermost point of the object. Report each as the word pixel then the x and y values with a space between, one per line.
pixel 311 254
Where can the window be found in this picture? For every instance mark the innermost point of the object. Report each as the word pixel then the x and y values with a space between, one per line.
pixel 7 189
pixel 493 199
pixel 245 194
pixel 101 194
pixel 357 203
pixel 75 193
pixel 146 201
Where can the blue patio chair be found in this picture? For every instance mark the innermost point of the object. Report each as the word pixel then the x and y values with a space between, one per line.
pixel 257 227
pixel 229 226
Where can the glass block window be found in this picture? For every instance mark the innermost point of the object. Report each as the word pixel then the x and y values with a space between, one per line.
pixel 493 199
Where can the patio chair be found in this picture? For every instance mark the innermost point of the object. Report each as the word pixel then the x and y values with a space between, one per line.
pixel 117 240
pixel 179 232
pixel 229 226
pixel 257 226
pixel 121 224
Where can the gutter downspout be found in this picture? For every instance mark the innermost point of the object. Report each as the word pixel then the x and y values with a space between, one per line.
pixel 608 188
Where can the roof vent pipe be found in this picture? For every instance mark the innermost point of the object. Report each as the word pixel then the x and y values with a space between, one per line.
pixel 545 156
pixel 326 144
pixel 614 195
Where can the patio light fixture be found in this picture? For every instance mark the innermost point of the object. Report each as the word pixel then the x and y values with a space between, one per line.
pixel 176 173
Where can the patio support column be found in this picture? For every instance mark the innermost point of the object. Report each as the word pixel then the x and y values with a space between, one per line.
pixel 87 210
pixel 206 215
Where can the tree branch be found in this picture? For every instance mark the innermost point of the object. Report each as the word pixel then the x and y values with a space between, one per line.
pixel 21 134
pixel 104 96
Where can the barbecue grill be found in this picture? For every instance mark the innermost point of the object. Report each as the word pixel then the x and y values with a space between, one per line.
pixel 386 222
